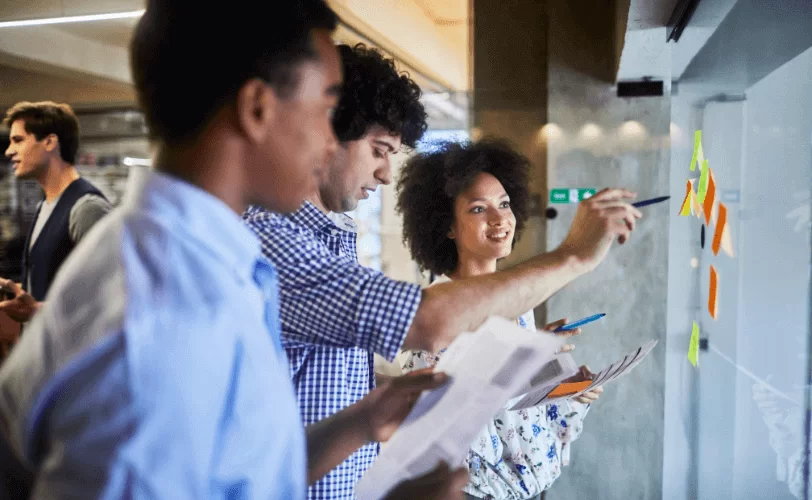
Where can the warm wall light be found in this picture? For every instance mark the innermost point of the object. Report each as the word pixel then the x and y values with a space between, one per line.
pixel 72 19
pixel 591 131
pixel 550 131
pixel 632 128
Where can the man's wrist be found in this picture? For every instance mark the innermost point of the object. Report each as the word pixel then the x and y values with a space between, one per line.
pixel 358 421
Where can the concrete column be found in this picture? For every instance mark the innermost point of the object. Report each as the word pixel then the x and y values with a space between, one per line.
pixel 509 66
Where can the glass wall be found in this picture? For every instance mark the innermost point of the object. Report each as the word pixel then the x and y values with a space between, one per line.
pixel 739 262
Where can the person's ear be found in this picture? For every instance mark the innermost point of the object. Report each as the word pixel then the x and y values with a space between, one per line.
pixel 51 143
pixel 256 107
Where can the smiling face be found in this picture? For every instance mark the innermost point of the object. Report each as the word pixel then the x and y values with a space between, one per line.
pixel 28 155
pixel 484 223
pixel 357 168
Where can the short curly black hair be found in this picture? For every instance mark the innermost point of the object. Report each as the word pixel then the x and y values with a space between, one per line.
pixel 374 93
pixel 429 184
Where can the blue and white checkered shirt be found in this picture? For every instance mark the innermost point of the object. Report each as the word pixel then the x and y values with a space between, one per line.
pixel 335 314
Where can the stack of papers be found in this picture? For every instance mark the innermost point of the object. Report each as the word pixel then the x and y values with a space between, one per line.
pixel 552 391
pixel 486 369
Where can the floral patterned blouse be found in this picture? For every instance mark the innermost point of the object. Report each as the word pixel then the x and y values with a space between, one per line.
pixel 520 453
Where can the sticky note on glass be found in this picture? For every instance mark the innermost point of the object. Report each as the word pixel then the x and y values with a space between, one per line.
pixel 710 197
pixel 727 240
pixel 686 204
pixel 721 227
pixel 695 205
pixel 703 183
pixel 568 389
pixel 693 347
pixel 713 303
pixel 698 153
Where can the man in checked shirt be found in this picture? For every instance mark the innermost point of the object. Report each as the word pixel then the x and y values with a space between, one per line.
pixel 336 313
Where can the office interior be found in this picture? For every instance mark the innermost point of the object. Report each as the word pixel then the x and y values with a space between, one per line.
pixel 595 93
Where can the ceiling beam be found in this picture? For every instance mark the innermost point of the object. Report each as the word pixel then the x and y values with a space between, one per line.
pixel 49 50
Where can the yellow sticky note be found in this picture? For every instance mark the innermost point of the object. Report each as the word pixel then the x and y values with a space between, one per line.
pixel 686 205
pixel 703 183
pixel 693 347
pixel 698 154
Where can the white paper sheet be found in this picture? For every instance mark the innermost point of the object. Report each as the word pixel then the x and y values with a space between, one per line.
pixel 539 395
pixel 486 368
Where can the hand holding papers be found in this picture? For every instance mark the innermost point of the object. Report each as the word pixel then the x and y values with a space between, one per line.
pixel 486 369
pixel 545 392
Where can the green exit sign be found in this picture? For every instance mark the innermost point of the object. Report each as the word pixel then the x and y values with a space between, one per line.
pixel 571 195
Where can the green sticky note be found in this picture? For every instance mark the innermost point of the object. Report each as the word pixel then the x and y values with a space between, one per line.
pixel 703 183
pixel 697 148
pixel 693 348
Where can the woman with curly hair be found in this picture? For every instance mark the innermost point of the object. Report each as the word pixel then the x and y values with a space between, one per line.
pixel 463 207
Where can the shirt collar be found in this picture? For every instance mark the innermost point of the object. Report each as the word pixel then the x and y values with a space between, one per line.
pixel 316 220
pixel 343 221
pixel 199 214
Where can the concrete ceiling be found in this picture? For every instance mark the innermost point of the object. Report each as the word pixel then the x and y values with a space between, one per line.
pixel 87 62
pixel 113 32
pixel 23 85
pixel 646 14
pixel 646 52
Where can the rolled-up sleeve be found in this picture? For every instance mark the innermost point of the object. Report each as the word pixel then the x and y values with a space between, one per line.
pixel 331 300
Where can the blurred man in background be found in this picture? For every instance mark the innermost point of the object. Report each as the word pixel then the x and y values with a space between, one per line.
pixel 44 140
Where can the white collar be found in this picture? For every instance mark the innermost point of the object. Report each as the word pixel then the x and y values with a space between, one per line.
pixel 343 221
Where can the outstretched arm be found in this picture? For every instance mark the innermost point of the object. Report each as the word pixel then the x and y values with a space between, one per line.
pixel 463 305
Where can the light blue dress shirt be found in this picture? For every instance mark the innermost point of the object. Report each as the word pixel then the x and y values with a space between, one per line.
pixel 155 369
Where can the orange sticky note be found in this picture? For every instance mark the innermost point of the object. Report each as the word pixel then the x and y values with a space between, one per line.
pixel 686 205
pixel 721 226
pixel 569 388
pixel 710 197
pixel 713 303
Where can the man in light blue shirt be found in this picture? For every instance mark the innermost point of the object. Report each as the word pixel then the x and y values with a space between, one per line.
pixel 155 369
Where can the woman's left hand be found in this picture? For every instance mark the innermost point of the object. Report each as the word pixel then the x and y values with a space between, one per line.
pixel 588 397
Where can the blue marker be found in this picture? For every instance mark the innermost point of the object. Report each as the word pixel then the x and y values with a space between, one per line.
pixel 573 326
pixel 650 202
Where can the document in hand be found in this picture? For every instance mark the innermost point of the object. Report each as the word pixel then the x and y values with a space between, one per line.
pixel 544 393
pixel 486 369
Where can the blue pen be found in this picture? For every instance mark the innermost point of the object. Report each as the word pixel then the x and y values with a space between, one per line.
pixel 650 202
pixel 573 326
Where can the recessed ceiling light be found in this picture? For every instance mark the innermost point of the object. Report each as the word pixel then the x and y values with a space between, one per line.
pixel 72 19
